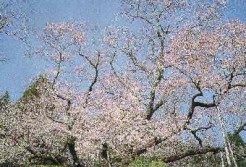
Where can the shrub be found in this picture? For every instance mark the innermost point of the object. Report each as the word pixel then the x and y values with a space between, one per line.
pixel 143 162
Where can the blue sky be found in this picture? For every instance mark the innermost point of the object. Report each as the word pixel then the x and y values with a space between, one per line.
pixel 17 72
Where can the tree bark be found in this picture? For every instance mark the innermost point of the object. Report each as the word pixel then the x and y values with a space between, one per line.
pixel 191 153
pixel 72 151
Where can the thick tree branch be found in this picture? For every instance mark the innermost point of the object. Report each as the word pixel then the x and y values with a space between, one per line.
pixel 59 64
pixel 69 102
pixel 239 129
pixel 188 153
pixel 237 85
pixel 195 104
pixel 230 77
pixel 192 106
pixel 95 78
pixel 54 120
pixel 205 105
pixel 151 108
pixel 43 157
pixel 152 143
pixel 177 156
pixel 73 152
pixel 158 105
pixel 194 133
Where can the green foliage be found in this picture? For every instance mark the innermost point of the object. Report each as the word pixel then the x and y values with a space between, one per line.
pixel 32 91
pixel 237 140
pixel 4 99
pixel 45 166
pixel 143 162
pixel 241 162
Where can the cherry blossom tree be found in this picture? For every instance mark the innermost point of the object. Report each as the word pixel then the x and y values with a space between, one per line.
pixel 170 85
pixel 179 60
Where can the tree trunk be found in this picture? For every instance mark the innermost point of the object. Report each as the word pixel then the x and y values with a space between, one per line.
pixel 72 151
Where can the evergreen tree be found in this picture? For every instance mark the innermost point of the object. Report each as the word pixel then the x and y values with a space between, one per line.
pixel 4 100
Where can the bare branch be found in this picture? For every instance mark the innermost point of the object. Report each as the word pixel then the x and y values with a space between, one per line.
pixel 58 69
pixel 151 108
pixel 95 78
pixel 69 102
pixel 194 133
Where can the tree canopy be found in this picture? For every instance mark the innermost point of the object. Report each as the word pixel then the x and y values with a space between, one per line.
pixel 169 88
